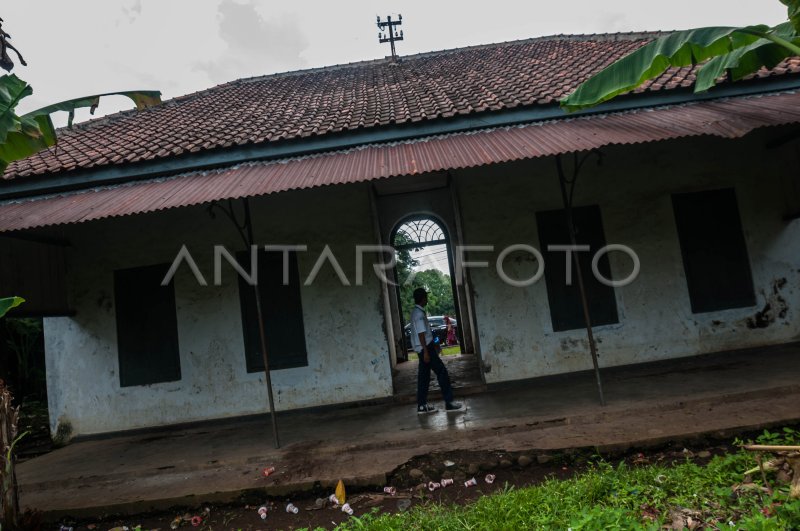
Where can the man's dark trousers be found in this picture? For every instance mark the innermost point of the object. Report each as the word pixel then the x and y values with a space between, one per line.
pixel 424 376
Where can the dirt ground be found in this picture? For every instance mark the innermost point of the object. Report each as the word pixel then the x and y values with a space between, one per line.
pixel 410 480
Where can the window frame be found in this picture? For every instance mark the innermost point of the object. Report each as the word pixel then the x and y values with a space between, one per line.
pixel 702 298
pixel 601 298
pixel 138 314
pixel 254 360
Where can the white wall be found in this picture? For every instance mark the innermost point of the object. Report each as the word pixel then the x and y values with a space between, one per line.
pixel 633 188
pixel 347 348
pixel 348 356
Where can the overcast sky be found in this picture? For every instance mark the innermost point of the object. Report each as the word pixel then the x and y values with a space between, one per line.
pixel 82 47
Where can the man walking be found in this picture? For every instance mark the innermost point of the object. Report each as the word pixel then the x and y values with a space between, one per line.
pixel 428 351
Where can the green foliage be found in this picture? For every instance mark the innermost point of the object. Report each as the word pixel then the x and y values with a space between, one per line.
pixel 23 136
pixel 20 136
pixel 142 99
pixel 440 291
pixel 436 283
pixel 618 497
pixel 23 340
pixel 404 269
pixel 8 303
pixel 787 436
pixel 794 13
pixel 598 518
pixel 12 90
pixel 735 51
pixel 438 286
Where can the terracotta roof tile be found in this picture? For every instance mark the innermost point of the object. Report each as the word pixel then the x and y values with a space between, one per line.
pixel 360 96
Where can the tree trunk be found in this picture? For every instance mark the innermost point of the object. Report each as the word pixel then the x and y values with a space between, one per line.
pixel 8 480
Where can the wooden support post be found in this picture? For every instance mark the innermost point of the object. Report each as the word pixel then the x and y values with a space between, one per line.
pixel 245 230
pixel 567 199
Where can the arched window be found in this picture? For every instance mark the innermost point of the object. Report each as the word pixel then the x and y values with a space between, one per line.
pixel 418 233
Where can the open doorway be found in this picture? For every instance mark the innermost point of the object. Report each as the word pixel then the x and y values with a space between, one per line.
pixel 425 259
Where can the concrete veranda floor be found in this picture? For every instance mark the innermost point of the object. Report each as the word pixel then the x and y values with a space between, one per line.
pixel 646 404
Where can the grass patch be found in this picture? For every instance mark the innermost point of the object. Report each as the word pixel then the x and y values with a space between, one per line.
pixel 455 350
pixel 620 497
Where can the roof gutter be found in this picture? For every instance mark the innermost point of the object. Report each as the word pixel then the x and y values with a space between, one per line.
pixel 118 174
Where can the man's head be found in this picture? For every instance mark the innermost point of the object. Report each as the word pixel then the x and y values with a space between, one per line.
pixel 420 296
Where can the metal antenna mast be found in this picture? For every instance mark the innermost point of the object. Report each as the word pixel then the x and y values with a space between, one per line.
pixel 389 27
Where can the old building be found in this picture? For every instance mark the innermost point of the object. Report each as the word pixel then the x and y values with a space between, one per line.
pixel 703 188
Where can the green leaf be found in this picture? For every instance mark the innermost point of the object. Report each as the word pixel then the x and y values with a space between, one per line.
pixel 794 13
pixel 12 90
pixel 32 132
pixel 9 302
pixel 141 98
pixel 34 135
pixel 747 59
pixel 20 137
pixel 682 48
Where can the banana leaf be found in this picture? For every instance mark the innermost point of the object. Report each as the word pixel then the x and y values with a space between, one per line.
pixel 12 90
pixel 23 136
pixel 141 98
pixel 8 303
pixel 681 48
pixel 793 7
pixel 746 59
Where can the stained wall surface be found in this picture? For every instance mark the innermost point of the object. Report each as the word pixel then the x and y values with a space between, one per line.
pixel 347 350
pixel 633 188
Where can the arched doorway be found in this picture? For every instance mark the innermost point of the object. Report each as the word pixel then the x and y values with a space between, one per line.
pixel 424 258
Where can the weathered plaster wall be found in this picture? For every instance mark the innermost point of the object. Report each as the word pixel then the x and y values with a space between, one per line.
pixel 633 188
pixel 347 348
pixel 347 351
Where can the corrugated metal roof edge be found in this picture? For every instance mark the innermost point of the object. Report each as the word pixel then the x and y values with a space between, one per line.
pixel 246 171
pixel 88 178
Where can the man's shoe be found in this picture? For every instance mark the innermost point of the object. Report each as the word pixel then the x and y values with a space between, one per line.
pixel 426 408
pixel 454 406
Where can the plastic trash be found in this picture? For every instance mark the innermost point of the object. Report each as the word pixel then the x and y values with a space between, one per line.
pixel 471 482
pixel 334 500
pixel 449 463
pixel 292 509
pixel 196 521
pixel 391 491
pixel 262 512
pixel 490 478
pixel 446 482
pixel 269 471
pixel 176 522
pixel 432 486
pixel 347 509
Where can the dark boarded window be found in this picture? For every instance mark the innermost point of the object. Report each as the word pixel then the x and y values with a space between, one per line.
pixel 282 309
pixel 566 308
pixel 714 251
pixel 147 327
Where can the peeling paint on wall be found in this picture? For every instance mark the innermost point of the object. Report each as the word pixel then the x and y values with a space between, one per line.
pixel 348 356
pixel 502 344
pixel 634 197
pixel 774 308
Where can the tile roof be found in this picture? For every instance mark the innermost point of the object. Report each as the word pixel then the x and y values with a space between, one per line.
pixel 346 98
